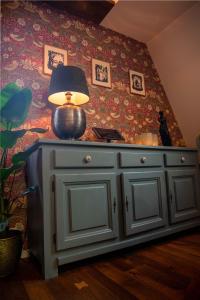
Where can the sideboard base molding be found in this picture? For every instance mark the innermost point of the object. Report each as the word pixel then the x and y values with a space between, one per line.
pixel 124 244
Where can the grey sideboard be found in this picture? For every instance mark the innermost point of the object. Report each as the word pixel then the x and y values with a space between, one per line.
pixel 93 198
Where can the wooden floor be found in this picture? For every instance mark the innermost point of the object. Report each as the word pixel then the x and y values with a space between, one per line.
pixel 164 269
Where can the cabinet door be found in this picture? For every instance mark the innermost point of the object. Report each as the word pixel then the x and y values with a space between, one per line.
pixel 144 201
pixel 85 209
pixel 183 193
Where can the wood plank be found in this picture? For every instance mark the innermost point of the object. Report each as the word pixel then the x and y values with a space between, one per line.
pixel 58 291
pixel 175 263
pixel 38 290
pixel 151 278
pixel 168 269
pixel 68 281
pixel 118 291
pixel 133 285
pixel 193 290
pixel 180 255
pixel 163 272
pixel 184 249
pixel 12 289
pixel 98 288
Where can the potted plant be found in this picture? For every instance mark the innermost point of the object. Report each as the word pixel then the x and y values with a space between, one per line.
pixel 14 107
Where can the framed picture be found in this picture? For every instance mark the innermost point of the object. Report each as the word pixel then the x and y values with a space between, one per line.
pixel 101 73
pixel 137 85
pixel 53 57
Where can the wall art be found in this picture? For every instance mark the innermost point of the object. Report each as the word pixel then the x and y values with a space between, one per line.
pixel 53 56
pixel 101 73
pixel 137 85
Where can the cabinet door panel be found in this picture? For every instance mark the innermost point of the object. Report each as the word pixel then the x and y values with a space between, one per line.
pixel 183 194
pixel 144 201
pixel 85 209
pixel 80 221
pixel 145 206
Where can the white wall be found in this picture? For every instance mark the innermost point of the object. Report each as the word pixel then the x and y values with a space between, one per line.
pixel 176 54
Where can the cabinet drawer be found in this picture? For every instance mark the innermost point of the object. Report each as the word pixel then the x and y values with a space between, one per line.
pixel 180 159
pixel 140 159
pixel 83 159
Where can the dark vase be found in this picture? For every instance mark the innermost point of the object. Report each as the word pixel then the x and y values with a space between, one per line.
pixel 164 132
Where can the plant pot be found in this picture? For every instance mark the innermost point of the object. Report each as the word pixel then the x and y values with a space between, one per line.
pixel 10 251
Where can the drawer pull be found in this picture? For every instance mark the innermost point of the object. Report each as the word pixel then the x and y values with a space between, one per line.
pixel 182 159
pixel 88 158
pixel 143 159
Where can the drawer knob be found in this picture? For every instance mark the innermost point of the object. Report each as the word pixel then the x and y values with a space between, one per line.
pixel 182 159
pixel 143 159
pixel 88 158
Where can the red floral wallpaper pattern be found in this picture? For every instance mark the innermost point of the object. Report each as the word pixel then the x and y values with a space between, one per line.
pixel 27 27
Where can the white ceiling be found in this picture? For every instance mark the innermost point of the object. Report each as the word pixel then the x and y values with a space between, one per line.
pixel 143 20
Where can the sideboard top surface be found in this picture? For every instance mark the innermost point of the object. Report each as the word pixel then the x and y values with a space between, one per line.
pixel 51 142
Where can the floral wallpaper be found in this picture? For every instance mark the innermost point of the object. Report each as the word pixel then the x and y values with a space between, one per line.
pixel 27 27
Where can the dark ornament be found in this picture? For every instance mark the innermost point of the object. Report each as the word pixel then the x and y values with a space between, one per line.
pixel 164 132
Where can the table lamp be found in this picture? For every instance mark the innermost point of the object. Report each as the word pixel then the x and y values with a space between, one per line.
pixel 68 89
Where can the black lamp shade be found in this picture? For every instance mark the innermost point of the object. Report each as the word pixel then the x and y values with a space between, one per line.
pixel 68 79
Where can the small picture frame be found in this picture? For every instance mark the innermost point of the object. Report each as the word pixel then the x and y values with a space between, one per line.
pixel 53 56
pixel 137 85
pixel 101 73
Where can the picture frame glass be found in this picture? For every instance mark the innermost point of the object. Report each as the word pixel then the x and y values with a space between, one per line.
pixel 101 73
pixel 137 85
pixel 53 57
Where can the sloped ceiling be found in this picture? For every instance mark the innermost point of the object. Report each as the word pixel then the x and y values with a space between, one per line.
pixel 143 20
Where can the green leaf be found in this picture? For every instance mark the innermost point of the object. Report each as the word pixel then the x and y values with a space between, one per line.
pixel 38 130
pixel 9 138
pixel 21 156
pixel 15 103
pixel 6 172
pixel 7 93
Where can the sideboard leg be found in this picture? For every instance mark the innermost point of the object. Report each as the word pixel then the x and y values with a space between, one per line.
pixel 50 269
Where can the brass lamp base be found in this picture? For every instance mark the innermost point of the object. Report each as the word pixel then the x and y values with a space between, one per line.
pixel 69 121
